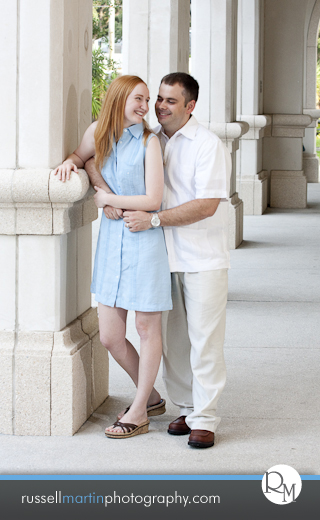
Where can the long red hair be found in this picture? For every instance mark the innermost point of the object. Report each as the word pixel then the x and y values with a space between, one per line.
pixel 110 121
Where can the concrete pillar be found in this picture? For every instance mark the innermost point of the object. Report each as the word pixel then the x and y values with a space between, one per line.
pixel 252 182
pixel 283 98
pixel 214 65
pixel 310 158
pixel 155 41
pixel 54 372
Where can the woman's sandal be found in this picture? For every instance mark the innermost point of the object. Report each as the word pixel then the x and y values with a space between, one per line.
pixel 154 409
pixel 128 430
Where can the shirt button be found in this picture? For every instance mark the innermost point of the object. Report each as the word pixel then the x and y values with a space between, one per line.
pixel 127 173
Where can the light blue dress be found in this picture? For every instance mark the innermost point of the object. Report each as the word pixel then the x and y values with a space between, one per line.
pixel 131 270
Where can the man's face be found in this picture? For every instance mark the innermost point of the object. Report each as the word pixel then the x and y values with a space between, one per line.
pixel 171 109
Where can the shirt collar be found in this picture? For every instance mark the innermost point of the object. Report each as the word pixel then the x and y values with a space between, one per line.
pixel 189 130
pixel 136 130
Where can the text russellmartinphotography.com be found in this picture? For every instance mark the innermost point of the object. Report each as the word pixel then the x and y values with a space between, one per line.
pixel 145 500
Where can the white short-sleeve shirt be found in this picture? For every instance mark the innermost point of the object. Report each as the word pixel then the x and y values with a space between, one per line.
pixel 197 165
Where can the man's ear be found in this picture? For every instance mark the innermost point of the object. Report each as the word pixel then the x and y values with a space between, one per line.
pixel 190 106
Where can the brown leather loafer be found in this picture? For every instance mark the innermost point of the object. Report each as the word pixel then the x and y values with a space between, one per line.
pixel 179 426
pixel 201 439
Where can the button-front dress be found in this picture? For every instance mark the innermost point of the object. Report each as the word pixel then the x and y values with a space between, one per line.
pixel 131 270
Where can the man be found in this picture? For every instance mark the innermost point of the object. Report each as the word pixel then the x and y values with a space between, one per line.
pixel 194 216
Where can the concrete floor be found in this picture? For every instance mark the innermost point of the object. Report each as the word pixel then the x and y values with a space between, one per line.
pixel 270 406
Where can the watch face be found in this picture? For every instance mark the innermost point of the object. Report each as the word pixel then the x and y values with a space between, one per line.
pixel 155 221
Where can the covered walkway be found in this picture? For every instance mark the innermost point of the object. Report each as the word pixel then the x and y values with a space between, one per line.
pixel 270 407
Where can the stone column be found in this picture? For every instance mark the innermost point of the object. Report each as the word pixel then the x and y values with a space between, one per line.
pixel 214 65
pixel 252 182
pixel 155 41
pixel 310 158
pixel 54 372
pixel 284 61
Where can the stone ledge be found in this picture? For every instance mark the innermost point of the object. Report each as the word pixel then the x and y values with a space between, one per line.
pixel 290 125
pixel 314 114
pixel 228 131
pixel 257 124
pixel 40 185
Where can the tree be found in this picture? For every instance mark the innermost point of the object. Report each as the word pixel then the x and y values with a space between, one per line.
pixel 100 27
pixel 104 69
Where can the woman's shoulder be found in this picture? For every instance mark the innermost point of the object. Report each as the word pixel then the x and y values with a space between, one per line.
pixel 150 136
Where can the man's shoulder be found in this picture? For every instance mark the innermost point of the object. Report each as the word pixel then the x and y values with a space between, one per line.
pixel 203 133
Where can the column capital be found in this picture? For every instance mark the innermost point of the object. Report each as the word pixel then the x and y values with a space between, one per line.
pixel 35 202
pixel 314 114
pixel 256 123
pixel 289 125
pixel 228 131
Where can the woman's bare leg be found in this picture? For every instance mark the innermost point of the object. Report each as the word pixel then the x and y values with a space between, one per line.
pixel 149 329
pixel 112 325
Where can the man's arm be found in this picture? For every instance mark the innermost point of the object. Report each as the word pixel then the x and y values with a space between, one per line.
pixel 187 213
pixel 96 179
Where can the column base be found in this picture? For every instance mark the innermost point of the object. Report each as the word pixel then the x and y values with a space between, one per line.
pixel 254 194
pixel 235 221
pixel 311 167
pixel 52 381
pixel 288 189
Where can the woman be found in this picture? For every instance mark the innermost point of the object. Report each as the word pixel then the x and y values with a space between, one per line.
pixel 131 270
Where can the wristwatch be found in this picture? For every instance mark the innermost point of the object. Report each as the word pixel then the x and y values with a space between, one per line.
pixel 155 221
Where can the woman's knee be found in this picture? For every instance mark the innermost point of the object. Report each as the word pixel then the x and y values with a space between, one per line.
pixel 110 343
pixel 148 324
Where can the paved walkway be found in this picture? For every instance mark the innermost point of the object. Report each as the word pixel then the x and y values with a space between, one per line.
pixel 270 407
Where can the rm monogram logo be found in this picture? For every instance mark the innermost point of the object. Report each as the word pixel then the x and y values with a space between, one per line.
pixel 281 484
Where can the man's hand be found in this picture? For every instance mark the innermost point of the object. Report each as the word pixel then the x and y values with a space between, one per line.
pixel 112 213
pixel 100 198
pixel 137 220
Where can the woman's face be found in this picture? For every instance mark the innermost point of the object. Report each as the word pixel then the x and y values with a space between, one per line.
pixel 136 105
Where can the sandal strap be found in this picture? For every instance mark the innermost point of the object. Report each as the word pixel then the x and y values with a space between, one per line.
pixel 126 427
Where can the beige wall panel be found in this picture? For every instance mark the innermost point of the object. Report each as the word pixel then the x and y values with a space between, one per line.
pixel 284 56
pixel 8 75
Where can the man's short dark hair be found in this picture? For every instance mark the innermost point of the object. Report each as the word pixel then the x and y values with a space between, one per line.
pixel 188 83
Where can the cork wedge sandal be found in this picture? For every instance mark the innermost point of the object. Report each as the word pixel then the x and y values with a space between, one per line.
pixel 128 430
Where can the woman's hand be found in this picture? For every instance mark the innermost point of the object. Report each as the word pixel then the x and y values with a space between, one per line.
pixel 101 198
pixel 64 171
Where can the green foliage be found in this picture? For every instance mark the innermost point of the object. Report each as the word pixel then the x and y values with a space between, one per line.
pixel 318 84
pixel 100 22
pixel 104 70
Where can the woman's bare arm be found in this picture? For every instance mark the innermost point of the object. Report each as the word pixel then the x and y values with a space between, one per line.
pixel 77 159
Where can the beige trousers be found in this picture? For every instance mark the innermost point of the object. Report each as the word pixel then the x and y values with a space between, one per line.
pixel 193 336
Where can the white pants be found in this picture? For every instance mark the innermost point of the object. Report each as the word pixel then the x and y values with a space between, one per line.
pixel 193 336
